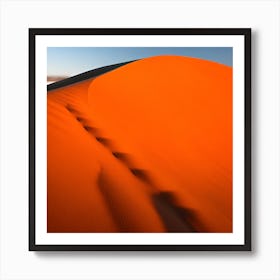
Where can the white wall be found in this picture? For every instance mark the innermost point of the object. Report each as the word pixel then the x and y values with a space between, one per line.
pixel 17 262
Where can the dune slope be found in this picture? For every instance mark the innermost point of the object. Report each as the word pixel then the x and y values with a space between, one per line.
pixel 144 148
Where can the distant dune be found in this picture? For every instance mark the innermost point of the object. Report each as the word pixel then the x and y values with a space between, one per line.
pixel 53 79
pixel 146 147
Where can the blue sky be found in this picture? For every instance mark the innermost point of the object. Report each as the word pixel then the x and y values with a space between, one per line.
pixel 69 61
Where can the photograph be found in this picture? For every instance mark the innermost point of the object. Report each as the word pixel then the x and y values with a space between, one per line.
pixel 140 139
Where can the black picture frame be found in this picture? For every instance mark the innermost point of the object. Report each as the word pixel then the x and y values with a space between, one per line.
pixel 33 32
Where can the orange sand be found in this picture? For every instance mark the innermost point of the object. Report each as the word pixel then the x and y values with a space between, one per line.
pixel 146 147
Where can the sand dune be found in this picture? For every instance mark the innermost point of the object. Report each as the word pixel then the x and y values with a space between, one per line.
pixel 146 147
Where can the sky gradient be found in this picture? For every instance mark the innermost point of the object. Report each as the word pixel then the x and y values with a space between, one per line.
pixel 70 61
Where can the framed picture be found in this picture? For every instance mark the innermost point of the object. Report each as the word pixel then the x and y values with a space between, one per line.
pixel 140 139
